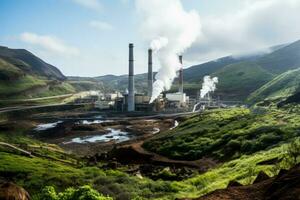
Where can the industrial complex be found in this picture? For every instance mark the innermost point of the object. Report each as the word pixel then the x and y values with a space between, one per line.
pixel 131 100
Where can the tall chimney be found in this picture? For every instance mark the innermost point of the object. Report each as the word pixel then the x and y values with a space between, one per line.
pixel 131 105
pixel 150 73
pixel 180 76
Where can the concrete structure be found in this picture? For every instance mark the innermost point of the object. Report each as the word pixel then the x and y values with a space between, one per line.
pixel 179 99
pixel 150 73
pixel 131 104
pixel 180 76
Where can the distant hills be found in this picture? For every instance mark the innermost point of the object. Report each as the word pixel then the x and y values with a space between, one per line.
pixel 27 63
pixel 283 85
pixel 23 74
pixel 248 78
pixel 238 76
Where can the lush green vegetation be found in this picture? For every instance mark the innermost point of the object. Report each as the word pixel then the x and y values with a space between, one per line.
pixel 20 85
pixel 225 134
pixel 282 86
pixel 239 80
pixel 51 166
pixel 82 193
pixel 8 71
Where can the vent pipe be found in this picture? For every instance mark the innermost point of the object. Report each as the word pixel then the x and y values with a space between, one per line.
pixel 180 76
pixel 131 104
pixel 150 73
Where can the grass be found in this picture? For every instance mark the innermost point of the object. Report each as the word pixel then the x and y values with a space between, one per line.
pixel 240 79
pixel 281 86
pixel 53 167
pixel 8 71
pixel 226 134
pixel 21 85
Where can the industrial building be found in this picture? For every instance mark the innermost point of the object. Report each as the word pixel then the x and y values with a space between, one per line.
pixel 132 101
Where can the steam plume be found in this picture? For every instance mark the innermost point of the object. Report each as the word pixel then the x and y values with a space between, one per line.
pixel 208 85
pixel 170 30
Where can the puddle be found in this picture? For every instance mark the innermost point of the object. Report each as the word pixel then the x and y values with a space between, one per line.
pixel 89 122
pixel 155 130
pixel 114 134
pixel 175 125
pixel 43 127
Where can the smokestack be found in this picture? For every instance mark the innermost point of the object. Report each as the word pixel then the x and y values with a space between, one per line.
pixel 131 105
pixel 181 76
pixel 150 73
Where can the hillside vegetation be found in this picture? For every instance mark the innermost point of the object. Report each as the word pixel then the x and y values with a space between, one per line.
pixel 23 75
pixel 226 134
pixel 282 86
pixel 51 171
pixel 236 81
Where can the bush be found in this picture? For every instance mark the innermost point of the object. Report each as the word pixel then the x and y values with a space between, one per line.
pixel 82 193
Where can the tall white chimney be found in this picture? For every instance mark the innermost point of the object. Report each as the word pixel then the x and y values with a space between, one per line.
pixel 131 104
pixel 150 73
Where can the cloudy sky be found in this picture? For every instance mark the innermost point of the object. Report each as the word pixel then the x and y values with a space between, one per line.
pixel 90 37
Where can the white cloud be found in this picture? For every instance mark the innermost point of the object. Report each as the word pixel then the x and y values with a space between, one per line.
pixel 91 4
pixel 259 24
pixel 49 44
pixel 101 25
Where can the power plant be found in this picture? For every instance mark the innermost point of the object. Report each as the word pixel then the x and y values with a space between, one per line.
pixel 132 101
pixel 169 102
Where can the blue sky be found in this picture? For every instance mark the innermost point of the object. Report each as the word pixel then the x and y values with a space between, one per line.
pixel 90 37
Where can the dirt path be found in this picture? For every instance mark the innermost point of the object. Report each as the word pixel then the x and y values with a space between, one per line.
pixel 202 164
pixel 17 148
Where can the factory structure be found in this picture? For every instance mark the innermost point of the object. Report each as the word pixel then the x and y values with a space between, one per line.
pixel 131 101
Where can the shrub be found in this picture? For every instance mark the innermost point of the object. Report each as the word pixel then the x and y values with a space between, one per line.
pixel 82 193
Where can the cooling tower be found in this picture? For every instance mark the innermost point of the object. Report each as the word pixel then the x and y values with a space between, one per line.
pixel 131 105
pixel 150 73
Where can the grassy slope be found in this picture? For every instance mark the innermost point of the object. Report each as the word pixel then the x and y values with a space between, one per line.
pixel 226 134
pixel 20 85
pixel 237 81
pixel 283 85
pixel 35 173
pixel 52 166
pixel 18 79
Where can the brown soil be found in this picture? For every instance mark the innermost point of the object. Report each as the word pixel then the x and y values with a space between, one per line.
pixel 285 186
pixel 10 191
pixel 135 154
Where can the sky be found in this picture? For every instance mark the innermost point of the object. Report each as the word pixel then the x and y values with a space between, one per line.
pixel 91 37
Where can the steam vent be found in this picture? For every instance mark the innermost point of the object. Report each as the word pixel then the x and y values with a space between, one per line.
pixel 150 73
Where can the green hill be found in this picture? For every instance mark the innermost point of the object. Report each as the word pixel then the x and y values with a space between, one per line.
pixel 225 134
pixel 23 75
pixel 282 60
pixel 281 86
pixel 236 81
pixel 238 76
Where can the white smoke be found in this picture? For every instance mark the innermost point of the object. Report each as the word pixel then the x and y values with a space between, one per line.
pixel 170 30
pixel 159 43
pixel 208 85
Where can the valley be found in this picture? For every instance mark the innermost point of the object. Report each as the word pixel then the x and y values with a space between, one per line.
pixel 63 134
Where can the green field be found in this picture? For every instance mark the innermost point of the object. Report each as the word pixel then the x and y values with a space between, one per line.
pixel 237 138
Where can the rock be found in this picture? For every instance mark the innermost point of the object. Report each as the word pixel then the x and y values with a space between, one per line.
pixel 10 191
pixel 262 176
pixel 234 183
